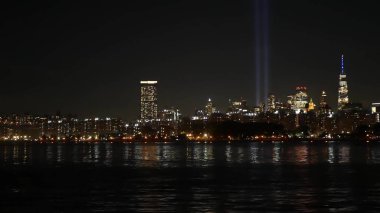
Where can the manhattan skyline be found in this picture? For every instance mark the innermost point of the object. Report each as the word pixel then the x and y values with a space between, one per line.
pixel 90 60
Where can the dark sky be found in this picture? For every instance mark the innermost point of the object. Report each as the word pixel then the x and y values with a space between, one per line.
pixel 88 58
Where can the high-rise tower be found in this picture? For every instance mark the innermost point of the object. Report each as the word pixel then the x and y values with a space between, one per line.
pixel 323 106
pixel 323 100
pixel 148 100
pixel 209 107
pixel 271 103
pixel 343 89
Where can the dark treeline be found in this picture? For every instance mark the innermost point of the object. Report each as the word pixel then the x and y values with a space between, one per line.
pixel 363 131
pixel 251 130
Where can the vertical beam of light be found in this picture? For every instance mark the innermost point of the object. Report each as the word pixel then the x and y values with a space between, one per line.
pixel 265 18
pixel 257 47
pixel 261 45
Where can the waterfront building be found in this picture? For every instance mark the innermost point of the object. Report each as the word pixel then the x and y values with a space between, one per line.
pixel 168 122
pixel 148 100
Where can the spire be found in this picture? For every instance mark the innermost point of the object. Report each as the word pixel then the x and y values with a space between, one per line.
pixel 342 65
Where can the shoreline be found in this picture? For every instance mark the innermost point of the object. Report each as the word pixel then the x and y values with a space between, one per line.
pixel 269 140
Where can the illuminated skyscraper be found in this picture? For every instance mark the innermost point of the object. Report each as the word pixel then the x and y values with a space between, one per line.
pixel 209 107
pixel 343 89
pixel 148 100
pixel 271 103
pixel 324 108
pixel 311 105
pixel 323 101
pixel 298 102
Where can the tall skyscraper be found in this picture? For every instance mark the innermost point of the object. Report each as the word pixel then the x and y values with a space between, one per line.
pixel 343 88
pixel 148 100
pixel 271 103
pixel 323 106
pixel 323 100
pixel 209 107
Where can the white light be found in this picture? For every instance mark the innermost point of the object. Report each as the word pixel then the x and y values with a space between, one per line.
pixel 148 82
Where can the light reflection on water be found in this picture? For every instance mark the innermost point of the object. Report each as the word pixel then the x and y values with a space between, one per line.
pixel 188 155
pixel 193 177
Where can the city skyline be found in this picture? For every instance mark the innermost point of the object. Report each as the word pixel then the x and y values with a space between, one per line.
pixel 190 106
pixel 149 107
pixel 149 104
pixel 66 57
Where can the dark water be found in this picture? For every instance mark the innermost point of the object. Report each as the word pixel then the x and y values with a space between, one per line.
pixel 218 177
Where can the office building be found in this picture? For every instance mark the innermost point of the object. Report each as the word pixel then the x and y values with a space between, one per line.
pixel 148 100
pixel 343 88
pixel 299 101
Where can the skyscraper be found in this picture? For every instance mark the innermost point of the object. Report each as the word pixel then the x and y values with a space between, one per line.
pixel 324 108
pixel 343 89
pixel 148 100
pixel 209 107
pixel 298 102
pixel 323 100
pixel 311 105
pixel 271 103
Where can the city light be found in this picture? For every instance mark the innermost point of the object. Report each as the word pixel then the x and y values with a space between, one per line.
pixel 273 120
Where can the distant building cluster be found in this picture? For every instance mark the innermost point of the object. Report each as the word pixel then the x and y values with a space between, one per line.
pixel 300 116
pixel 58 127
pixel 297 117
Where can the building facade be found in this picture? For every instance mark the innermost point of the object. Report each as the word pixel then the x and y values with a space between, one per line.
pixel 271 103
pixel 343 88
pixel 148 100
pixel 375 110
pixel 210 108
pixel 299 101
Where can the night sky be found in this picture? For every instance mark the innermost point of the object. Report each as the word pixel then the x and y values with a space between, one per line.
pixel 88 58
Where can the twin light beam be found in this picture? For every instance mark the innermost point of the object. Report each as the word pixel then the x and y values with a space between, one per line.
pixel 261 45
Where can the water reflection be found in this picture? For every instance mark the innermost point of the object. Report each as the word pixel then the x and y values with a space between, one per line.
pixel 301 154
pixel 197 177
pixel 189 155
pixel 344 154
pixel 276 153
